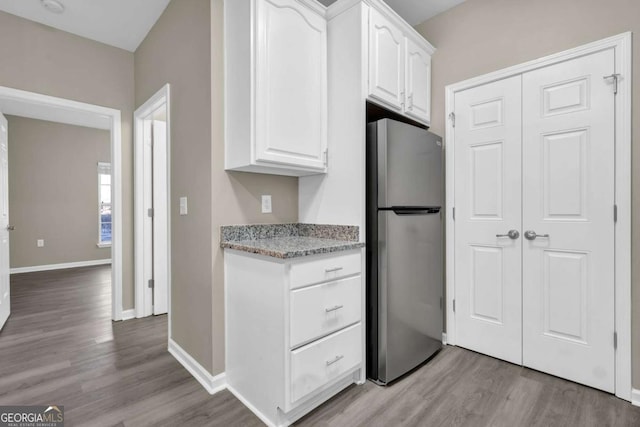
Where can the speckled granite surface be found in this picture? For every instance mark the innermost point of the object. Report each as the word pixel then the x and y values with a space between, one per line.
pixel 286 241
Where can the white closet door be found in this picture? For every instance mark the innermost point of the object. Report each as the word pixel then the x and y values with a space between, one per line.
pixel 568 183
pixel 487 202
pixel 5 286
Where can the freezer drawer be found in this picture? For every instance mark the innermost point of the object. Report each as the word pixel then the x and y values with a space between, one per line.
pixel 410 288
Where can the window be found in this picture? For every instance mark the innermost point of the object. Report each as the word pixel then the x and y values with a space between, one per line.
pixel 104 204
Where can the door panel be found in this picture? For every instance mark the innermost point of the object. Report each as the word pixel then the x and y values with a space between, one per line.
pixel 5 287
pixel 386 61
pixel 409 167
pixel 418 82
pixel 291 84
pixel 568 193
pixel 488 203
pixel 411 317
pixel 160 217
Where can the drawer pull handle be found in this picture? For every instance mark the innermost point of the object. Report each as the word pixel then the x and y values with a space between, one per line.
pixel 337 307
pixel 332 270
pixel 337 359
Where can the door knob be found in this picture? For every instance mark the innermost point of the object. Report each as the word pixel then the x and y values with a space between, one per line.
pixel 532 235
pixel 10 227
pixel 512 234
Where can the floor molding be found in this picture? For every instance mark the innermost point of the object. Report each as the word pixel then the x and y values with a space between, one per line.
pixel 635 397
pixel 252 408
pixel 63 266
pixel 129 314
pixel 209 382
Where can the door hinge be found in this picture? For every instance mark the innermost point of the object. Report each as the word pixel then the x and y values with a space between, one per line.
pixel 616 79
pixel 150 212
pixel 440 303
pixel 454 306
pixel 326 157
pixel 615 213
pixel 152 283
pixel 454 213
pixel 452 117
pixel 615 340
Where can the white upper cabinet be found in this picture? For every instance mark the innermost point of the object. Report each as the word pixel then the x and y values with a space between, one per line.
pixel 417 81
pixel 399 66
pixel 386 61
pixel 276 87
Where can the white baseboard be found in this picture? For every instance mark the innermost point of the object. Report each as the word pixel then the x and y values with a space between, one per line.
pixel 635 397
pixel 129 314
pixel 252 408
pixel 59 266
pixel 209 382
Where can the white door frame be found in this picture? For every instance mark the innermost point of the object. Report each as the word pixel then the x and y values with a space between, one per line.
pixel 38 106
pixel 622 45
pixel 162 97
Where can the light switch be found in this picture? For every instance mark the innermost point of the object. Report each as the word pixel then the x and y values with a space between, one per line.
pixel 40 243
pixel 266 204
pixel 184 207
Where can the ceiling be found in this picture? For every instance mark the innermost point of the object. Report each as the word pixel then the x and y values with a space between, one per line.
pixel 125 23
pixel 415 11
pixel 119 23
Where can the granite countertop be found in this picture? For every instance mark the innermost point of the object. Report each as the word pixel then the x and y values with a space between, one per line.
pixel 285 241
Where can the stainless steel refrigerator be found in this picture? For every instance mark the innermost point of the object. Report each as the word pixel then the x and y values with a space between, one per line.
pixel 404 248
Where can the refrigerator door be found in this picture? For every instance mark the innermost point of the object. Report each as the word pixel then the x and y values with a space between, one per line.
pixel 410 290
pixel 409 165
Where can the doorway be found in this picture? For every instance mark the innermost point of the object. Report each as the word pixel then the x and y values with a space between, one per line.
pixel 538 262
pixel 152 201
pixel 42 107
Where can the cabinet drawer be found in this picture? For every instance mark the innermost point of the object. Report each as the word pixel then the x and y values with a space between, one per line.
pixel 316 364
pixel 322 309
pixel 324 269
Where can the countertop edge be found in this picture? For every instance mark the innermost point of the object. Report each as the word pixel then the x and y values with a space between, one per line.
pixel 284 255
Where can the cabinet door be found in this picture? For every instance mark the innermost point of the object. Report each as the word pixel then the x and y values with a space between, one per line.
pixel 386 61
pixel 417 82
pixel 291 85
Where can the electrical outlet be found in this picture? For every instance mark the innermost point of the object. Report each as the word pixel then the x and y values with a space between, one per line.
pixel 266 204
pixel 40 243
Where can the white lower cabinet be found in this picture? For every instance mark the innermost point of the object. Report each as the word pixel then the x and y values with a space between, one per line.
pixel 318 363
pixel 320 310
pixel 294 328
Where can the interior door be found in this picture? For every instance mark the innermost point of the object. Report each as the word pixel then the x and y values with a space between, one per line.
pixel 568 189
pixel 160 218
pixel 5 288
pixel 417 82
pixel 488 302
pixel 148 223
pixel 386 61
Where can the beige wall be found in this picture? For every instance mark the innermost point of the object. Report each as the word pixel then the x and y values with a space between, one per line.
pixel 184 49
pixel 44 60
pixel 53 191
pixel 481 36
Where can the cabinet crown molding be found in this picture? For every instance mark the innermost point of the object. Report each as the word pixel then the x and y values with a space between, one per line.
pixel 341 6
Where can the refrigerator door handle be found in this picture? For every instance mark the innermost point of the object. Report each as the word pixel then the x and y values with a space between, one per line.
pixel 415 211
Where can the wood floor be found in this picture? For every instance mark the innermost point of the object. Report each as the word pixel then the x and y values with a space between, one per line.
pixel 60 347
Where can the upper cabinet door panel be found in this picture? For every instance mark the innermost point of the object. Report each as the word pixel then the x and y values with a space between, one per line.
pixel 386 61
pixel 418 82
pixel 291 85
